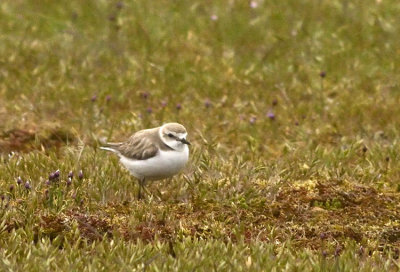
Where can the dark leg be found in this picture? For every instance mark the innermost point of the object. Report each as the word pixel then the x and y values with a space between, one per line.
pixel 141 186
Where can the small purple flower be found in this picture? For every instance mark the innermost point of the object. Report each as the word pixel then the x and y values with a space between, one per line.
pixel 119 5
pixel 28 185
pixel 296 123
pixel 178 106
pixel 253 120
pixel 149 110
pixel 164 103
pixel 274 102
pixel 55 175
pixel 338 250
pixel 108 98
pixel 69 181
pixel 361 251
pixel 214 17
pixel 12 187
pixel 80 175
pixel 48 182
pixel 271 115
pixel 70 174
pixel 322 74
pixel 145 95
pixel 322 236
pixel 19 180
pixel 324 253
pixel 253 4
pixel 207 103
pixel 94 98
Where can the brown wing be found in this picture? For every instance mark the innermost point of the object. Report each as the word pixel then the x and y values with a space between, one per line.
pixel 139 146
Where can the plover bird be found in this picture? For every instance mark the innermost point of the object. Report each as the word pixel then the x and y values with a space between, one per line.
pixel 153 154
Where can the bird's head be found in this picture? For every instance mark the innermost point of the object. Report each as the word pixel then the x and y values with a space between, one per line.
pixel 174 135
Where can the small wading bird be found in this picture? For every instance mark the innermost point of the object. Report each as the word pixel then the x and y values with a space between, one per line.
pixel 153 154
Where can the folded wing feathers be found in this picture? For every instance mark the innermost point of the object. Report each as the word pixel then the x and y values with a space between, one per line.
pixel 136 147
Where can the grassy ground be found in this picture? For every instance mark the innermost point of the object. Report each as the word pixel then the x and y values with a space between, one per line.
pixel 292 109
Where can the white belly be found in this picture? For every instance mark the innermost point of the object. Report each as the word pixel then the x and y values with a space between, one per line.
pixel 164 164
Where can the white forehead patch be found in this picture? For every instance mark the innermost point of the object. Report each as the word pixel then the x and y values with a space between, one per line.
pixel 181 135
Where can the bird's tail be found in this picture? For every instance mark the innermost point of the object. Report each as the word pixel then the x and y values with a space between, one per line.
pixel 111 147
pixel 108 149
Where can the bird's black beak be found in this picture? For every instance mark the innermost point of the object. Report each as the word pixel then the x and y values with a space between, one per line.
pixel 184 141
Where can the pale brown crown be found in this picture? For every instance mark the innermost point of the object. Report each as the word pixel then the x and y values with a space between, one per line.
pixel 173 127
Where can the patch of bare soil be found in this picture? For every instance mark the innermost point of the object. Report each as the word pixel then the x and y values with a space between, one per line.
pixel 25 140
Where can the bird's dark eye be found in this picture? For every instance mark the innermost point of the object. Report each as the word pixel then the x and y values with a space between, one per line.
pixel 170 135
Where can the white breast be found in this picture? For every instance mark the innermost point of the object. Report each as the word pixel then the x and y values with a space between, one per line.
pixel 164 164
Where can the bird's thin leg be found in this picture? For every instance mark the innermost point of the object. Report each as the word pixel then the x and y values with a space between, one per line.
pixel 141 186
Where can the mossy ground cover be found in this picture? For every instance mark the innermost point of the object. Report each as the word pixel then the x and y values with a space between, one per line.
pixel 292 111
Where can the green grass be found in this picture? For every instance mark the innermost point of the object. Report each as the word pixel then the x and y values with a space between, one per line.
pixel 290 169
